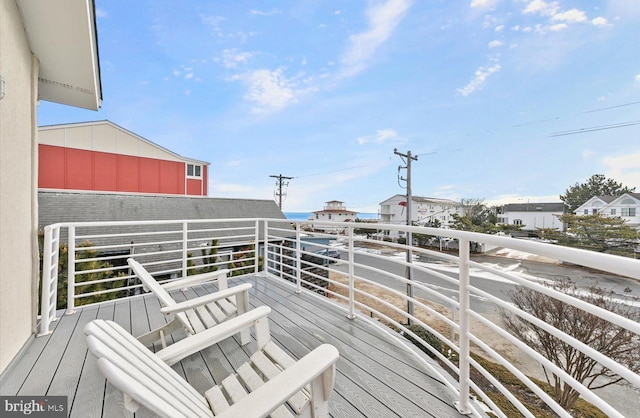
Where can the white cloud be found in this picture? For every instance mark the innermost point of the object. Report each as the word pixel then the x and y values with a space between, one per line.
pixel 382 20
pixel 271 90
pixel 637 77
pixel 624 169
pixel 495 43
pixel 499 28
pixel 479 79
pixel 570 16
pixel 600 21
pixel 483 4
pixel 382 136
pixel 558 27
pixel 213 21
pixel 542 7
pixel 587 153
pixel 231 58
pixel 262 13
pixel 101 13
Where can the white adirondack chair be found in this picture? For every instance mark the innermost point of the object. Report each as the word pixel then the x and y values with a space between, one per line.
pixel 271 383
pixel 198 314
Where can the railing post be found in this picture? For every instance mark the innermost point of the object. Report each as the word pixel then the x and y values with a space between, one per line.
pixel 266 247
pixel 185 248
pixel 464 377
pixel 298 261
pixel 71 271
pixel 256 268
pixel 409 275
pixel 352 291
pixel 49 283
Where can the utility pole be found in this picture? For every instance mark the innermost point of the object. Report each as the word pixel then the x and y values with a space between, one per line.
pixel 407 158
pixel 279 183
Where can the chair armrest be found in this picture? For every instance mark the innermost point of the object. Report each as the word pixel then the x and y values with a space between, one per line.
pixel 194 343
pixel 194 280
pixel 203 300
pixel 264 400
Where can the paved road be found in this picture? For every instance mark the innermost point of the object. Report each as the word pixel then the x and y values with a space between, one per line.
pixel 620 287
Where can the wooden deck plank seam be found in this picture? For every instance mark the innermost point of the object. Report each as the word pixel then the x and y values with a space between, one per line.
pixel 375 378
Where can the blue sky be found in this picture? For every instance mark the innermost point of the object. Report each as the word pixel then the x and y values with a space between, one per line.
pixel 504 100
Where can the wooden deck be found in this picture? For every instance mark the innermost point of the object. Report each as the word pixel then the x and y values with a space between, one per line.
pixel 376 376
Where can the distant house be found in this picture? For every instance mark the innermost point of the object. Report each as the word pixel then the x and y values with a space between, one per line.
pixel 424 210
pixel 532 216
pixel 102 156
pixel 334 211
pixel 594 205
pixel 626 206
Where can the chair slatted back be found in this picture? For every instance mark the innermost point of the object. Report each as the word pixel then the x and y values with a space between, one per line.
pixel 141 375
pixel 163 296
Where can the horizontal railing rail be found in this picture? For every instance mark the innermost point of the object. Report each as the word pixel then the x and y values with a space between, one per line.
pixel 406 289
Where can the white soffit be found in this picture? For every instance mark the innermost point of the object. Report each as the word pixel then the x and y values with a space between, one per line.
pixel 62 34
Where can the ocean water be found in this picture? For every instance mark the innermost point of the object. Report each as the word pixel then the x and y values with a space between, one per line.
pixel 303 216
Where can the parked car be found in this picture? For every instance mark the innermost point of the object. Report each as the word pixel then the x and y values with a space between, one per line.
pixel 332 256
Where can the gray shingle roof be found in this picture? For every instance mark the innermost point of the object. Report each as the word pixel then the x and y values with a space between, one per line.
pixel 533 207
pixel 65 206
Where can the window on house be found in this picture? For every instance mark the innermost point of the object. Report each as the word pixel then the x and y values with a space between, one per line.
pixel 594 211
pixel 586 211
pixel 629 212
pixel 613 212
pixel 329 216
pixel 517 221
pixel 194 170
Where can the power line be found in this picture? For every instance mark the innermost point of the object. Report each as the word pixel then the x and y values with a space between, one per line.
pixel 595 128
pixel 612 107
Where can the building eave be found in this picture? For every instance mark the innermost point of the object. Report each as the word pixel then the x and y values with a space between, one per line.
pixel 63 36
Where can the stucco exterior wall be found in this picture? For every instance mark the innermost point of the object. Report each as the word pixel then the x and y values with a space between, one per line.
pixel 18 210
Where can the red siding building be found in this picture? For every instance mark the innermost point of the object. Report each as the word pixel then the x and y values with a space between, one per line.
pixel 102 156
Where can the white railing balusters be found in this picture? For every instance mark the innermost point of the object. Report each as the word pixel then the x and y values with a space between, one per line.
pixel 71 270
pixel 166 252
pixel 49 284
pixel 185 248
pixel 298 262
pixel 464 378
pixel 351 314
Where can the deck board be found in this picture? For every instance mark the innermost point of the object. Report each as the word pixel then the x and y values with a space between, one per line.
pixel 375 376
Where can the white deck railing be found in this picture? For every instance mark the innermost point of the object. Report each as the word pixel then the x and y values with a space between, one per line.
pixel 279 249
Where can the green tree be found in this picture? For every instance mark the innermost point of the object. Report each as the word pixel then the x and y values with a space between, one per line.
pixel 609 339
pixel 210 257
pixel 97 271
pixel 476 217
pixel 605 234
pixel 596 185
